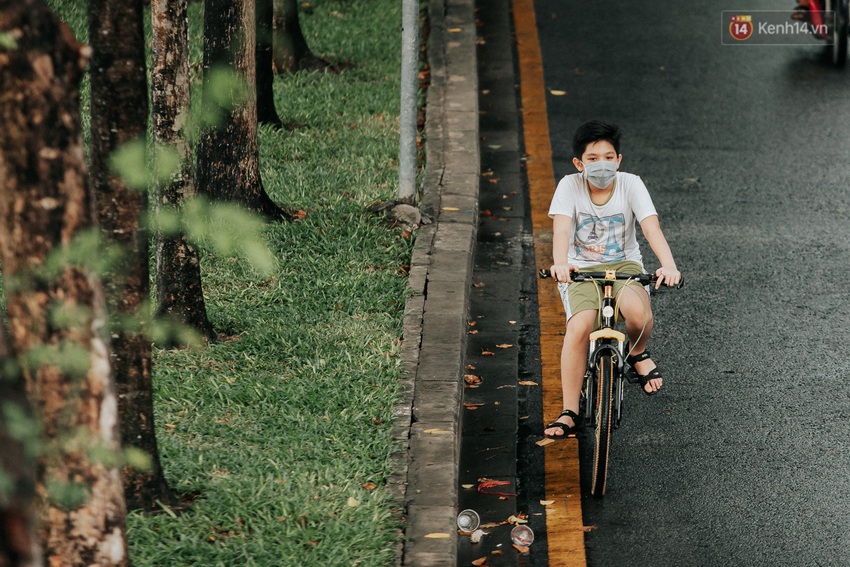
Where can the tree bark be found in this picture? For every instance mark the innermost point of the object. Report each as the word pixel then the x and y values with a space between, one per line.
pixel 18 540
pixel 119 113
pixel 179 289
pixel 266 111
pixel 44 205
pixel 291 52
pixel 228 154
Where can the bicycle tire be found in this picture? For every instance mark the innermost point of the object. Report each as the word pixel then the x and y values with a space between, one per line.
pixel 839 32
pixel 602 437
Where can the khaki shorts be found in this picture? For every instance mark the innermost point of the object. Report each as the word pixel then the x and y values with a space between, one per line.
pixel 588 295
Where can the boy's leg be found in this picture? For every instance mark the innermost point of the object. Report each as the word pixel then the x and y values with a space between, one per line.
pixel 633 302
pixel 573 363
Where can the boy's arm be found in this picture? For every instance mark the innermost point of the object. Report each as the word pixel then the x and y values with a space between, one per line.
pixel 668 272
pixel 561 232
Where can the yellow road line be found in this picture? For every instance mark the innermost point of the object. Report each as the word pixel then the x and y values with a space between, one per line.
pixel 563 517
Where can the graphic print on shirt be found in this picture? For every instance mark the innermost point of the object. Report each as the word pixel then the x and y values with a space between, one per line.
pixel 600 239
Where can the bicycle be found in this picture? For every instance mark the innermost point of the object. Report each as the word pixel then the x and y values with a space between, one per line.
pixel 604 381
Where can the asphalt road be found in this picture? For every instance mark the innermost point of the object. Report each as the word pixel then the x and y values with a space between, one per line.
pixel 745 457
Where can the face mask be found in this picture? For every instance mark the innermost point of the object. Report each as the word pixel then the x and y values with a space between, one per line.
pixel 600 173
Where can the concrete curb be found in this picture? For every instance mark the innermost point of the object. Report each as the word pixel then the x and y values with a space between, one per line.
pixel 427 421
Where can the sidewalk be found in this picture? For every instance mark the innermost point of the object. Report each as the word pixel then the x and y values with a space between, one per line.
pixel 435 327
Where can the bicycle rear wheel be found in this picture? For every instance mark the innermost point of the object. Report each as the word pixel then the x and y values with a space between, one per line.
pixel 602 413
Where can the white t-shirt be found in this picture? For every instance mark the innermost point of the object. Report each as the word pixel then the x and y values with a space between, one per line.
pixel 603 233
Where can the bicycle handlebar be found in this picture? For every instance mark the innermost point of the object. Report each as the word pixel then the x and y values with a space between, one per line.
pixel 644 279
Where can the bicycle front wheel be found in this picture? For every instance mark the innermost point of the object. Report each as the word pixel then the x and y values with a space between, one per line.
pixel 602 412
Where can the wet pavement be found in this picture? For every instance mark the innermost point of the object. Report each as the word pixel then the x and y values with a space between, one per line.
pixel 743 459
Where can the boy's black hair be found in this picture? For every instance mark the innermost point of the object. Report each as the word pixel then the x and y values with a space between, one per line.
pixel 595 131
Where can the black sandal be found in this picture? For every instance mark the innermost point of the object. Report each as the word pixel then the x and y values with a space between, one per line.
pixel 567 430
pixel 643 379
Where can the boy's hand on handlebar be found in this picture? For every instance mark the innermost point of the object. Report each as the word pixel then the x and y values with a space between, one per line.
pixel 561 272
pixel 669 276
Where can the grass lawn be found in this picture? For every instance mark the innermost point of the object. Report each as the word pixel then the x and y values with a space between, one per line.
pixel 282 429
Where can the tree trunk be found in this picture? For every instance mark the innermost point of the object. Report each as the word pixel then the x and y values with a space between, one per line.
pixel 228 154
pixel 44 205
pixel 266 111
pixel 18 539
pixel 119 115
pixel 291 52
pixel 179 292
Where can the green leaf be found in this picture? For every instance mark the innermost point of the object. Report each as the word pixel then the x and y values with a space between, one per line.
pixel 225 88
pixel 70 358
pixel 7 41
pixel 129 162
pixel 66 495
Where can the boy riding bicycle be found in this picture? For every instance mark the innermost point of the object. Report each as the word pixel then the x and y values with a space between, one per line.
pixel 594 213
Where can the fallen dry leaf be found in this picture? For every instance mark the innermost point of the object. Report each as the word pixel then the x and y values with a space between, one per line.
pixel 352 502
pixel 527 383
pixel 480 561
pixel 370 486
pixel 438 535
pixel 437 431
pixel 547 502
pixel 544 442
pixel 487 353
pixel 450 209
pixel 472 381
pixel 472 332
pixel 504 345
pixel 467 486
pixel 517 520
pixel 588 528
pixel 521 548
pixel 557 93
pixel 471 405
